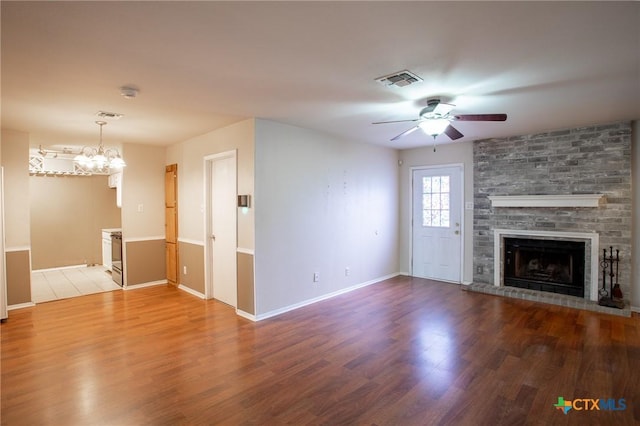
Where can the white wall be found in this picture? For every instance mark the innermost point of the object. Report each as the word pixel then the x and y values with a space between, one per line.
pixel 321 205
pixel 449 153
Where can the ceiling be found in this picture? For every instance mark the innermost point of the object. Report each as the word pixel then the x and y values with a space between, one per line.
pixel 200 66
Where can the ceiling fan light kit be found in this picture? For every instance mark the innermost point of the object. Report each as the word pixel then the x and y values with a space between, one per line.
pixel 435 119
pixel 434 126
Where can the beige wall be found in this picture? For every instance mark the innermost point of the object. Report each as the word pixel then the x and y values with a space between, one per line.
pixel 144 262
pixel 246 293
pixel 18 277
pixel 67 215
pixel 192 257
pixel 143 230
pixel 143 192
pixel 15 161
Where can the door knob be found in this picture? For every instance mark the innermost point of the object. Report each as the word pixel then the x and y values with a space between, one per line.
pixel 213 237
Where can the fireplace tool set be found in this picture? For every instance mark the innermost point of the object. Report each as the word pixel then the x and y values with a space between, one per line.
pixel 612 297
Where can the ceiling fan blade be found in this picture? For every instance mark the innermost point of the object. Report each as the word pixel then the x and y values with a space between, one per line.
pixel 394 121
pixel 452 132
pixel 406 132
pixel 480 117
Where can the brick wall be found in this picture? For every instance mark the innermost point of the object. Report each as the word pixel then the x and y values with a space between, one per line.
pixel 584 160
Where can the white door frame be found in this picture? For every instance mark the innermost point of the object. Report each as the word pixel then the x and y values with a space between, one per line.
pixel 208 253
pixel 462 209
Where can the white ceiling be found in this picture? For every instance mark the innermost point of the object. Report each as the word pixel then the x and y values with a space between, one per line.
pixel 203 65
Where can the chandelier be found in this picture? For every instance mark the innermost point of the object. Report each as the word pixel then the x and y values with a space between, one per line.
pixel 99 158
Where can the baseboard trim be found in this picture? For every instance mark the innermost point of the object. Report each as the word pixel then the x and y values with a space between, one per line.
pixel 20 306
pixel 323 297
pixel 60 268
pixel 143 285
pixel 635 309
pixel 246 315
pixel 191 291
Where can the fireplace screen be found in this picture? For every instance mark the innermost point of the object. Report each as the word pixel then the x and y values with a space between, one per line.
pixel 545 265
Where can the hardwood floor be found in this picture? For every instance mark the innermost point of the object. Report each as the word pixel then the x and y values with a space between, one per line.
pixel 402 352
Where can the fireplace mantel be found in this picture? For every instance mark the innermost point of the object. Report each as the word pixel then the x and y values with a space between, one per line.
pixel 569 200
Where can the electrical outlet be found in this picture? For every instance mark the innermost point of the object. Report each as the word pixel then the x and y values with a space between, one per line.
pixel 346 271
pixel 479 269
pixel 316 277
pixel 184 270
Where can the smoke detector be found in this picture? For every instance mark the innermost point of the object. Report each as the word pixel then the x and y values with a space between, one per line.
pixel 399 79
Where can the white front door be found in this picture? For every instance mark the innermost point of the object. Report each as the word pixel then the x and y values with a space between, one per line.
pixel 437 223
pixel 221 228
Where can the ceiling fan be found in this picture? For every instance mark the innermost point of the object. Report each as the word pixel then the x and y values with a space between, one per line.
pixel 436 119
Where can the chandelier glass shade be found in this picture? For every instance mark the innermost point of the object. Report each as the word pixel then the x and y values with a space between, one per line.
pixel 99 157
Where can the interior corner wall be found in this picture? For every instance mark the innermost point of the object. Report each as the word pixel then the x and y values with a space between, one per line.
pixel 189 156
pixel 143 212
pixel 15 161
pixel 322 205
pixel 449 153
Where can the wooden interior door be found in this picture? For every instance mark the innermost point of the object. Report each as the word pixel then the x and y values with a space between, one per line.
pixel 171 222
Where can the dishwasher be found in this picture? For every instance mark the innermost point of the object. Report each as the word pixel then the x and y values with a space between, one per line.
pixel 116 258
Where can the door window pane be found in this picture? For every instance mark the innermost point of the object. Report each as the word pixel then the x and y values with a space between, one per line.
pixel 435 201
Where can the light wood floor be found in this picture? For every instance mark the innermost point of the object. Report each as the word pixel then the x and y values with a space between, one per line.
pixel 402 352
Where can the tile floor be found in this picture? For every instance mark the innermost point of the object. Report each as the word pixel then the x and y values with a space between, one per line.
pixel 57 284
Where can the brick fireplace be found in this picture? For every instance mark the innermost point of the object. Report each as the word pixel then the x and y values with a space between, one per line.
pixel 569 185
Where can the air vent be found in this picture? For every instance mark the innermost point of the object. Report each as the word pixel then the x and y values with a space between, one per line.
pixel 399 79
pixel 109 115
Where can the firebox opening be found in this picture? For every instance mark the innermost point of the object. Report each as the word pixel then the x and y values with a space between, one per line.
pixel 545 265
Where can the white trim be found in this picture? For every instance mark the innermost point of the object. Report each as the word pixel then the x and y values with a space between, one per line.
pixel 142 285
pixel 20 306
pixel 569 200
pixel 191 291
pixel 245 251
pixel 190 241
pixel 499 234
pixel 83 265
pixel 635 309
pixel 207 170
pixel 17 248
pixel 138 239
pixel 321 298
pixel 246 315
